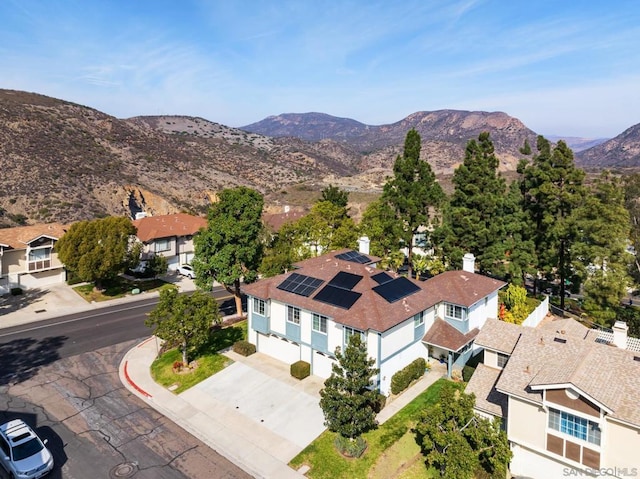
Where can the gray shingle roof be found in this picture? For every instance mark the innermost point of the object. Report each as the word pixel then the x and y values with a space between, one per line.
pixel 482 384
pixel 499 336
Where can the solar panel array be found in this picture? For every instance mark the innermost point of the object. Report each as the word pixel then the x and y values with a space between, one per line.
pixel 354 257
pixel 340 297
pixel 397 289
pixel 381 278
pixel 345 280
pixel 300 284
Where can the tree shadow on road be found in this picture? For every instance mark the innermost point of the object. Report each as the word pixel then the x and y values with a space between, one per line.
pixel 22 358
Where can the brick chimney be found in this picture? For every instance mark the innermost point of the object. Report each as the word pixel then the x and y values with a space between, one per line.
pixel 363 244
pixel 469 263
pixel 620 329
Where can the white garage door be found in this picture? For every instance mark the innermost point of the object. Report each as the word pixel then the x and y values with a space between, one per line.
pixel 44 278
pixel 322 365
pixel 173 262
pixel 278 348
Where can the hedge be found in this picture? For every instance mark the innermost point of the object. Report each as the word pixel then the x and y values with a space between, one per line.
pixel 401 380
pixel 300 369
pixel 244 347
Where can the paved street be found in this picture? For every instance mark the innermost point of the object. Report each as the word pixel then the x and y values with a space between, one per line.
pixel 97 428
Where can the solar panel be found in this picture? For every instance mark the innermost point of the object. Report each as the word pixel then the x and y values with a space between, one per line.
pixel 342 298
pixel 381 278
pixel 354 257
pixel 300 284
pixel 397 289
pixel 345 280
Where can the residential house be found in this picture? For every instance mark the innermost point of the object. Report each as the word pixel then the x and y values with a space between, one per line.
pixel 568 397
pixel 27 259
pixel 170 236
pixel 275 221
pixel 307 313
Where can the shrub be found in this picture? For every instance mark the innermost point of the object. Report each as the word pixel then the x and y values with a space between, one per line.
pixel 350 448
pixel 300 369
pixel 467 372
pixel 401 380
pixel 16 291
pixel 244 347
pixel 378 402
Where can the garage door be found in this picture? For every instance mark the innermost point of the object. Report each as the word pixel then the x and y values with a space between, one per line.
pixel 278 348
pixel 173 262
pixel 322 365
pixel 44 278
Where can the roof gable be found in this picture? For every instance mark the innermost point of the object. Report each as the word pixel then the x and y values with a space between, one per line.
pixel 166 226
pixel 20 236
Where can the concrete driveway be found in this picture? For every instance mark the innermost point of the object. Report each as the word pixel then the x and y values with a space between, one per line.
pixel 258 394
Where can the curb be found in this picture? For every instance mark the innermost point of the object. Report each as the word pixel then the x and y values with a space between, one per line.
pixel 134 385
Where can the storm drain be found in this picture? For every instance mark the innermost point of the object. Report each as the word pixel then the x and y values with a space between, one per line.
pixel 126 469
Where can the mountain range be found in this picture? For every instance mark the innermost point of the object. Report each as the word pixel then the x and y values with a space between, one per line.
pixel 61 161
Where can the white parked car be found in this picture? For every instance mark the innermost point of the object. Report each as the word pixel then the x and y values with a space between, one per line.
pixel 187 270
pixel 22 453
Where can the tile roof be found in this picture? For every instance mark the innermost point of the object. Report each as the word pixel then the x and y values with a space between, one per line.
pixel 18 237
pixel 443 335
pixel 482 384
pixel 275 221
pixel 166 226
pixel 463 288
pixel 499 336
pixel 543 359
pixel 370 310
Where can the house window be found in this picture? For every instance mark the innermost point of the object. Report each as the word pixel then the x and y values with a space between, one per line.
pixel 502 360
pixel 418 320
pixel 40 254
pixel 162 245
pixel 319 323
pixel 348 332
pixel 574 426
pixel 293 314
pixel 258 306
pixel 454 312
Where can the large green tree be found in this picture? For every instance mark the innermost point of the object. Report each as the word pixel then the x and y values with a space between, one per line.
pixel 184 320
pixel 335 195
pixel 632 203
pixel 327 227
pixel 230 249
pixel 552 187
pixel 600 251
pixel 98 250
pixel 348 397
pixel 459 443
pixel 380 225
pixel 413 192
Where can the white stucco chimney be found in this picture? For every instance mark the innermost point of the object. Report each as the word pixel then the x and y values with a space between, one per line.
pixel 363 244
pixel 286 208
pixel 620 329
pixel 469 263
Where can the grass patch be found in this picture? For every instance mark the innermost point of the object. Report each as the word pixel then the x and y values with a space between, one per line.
pixel 209 359
pixel 117 288
pixel 326 463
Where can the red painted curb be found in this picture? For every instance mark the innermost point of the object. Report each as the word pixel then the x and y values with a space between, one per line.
pixel 144 342
pixel 135 386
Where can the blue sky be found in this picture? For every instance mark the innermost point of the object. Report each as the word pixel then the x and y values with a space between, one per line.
pixel 561 67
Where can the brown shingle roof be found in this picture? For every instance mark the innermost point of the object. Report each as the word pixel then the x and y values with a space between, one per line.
pixel 166 226
pixel 482 384
pixel 499 336
pixel 275 221
pixel 370 311
pixel 443 335
pixel 463 288
pixel 18 237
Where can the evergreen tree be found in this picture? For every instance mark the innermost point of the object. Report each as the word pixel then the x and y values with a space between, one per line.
pixel 552 189
pixel 632 203
pixel 284 249
pixel 98 250
pixel 230 248
pixel 380 225
pixel 327 227
pixel 348 398
pixel 335 195
pixel 412 192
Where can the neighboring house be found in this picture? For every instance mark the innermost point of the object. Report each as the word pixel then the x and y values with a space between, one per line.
pixel 275 221
pixel 27 258
pixel 307 313
pixel 170 236
pixel 568 397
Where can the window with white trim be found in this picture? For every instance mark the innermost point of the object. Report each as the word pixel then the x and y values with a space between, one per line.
pixel 293 314
pixel 453 311
pixel 319 323
pixel 259 306
pixel 502 360
pixel 162 245
pixel 348 332
pixel 40 254
pixel 418 320
pixel 574 426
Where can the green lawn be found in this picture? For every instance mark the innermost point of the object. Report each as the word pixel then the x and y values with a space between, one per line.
pixel 117 288
pixel 391 451
pixel 209 360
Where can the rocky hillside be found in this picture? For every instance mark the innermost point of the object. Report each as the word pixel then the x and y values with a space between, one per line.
pixel 64 162
pixel 621 152
pixel 444 135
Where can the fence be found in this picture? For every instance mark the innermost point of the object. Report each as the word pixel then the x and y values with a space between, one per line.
pixel 538 314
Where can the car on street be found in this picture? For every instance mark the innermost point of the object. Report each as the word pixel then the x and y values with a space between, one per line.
pixel 22 453
pixel 187 270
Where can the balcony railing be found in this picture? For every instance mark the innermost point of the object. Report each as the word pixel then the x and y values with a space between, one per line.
pixel 38 265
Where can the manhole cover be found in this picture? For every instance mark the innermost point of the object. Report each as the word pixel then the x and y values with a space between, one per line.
pixel 127 469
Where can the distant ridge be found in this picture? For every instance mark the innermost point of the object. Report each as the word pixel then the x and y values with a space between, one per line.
pixel 623 152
